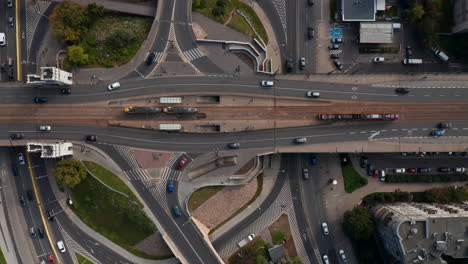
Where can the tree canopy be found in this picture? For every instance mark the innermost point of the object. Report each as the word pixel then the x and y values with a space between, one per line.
pixel 69 172
pixel 358 223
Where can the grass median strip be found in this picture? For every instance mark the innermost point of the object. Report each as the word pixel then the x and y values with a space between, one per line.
pixel 352 179
pixel 2 258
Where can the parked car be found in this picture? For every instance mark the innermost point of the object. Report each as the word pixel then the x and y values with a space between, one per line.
pixel 21 158
pixel 40 100
pixel 310 32
pixel 459 170
pixel 289 65
pixel 234 145
pixel 370 169
pixel 334 56
pixel 376 173
pixel 378 59
pixel 305 173
pixel 445 125
pixel 44 128
pixel 325 259
pixel 363 162
pixel 342 255
pixel 181 163
pixel 334 47
pixel 382 175
pixel 409 51
pixel 113 86
pixel 325 228
pixel 51 259
pixel 17 136
pixel 402 90
pixel 267 83
pixel 300 140
pixel 338 64
pixel 336 40
pixel 61 246
pixel 412 170
pixel 175 210
pixel 313 94
pixel 150 58
pixel 424 170
pixel 302 63
pixel 444 169
pixel 170 186
pixel 399 170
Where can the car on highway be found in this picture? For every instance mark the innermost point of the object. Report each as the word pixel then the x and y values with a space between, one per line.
pixel 32 232
pixel 402 90
pixel 378 59
pixel 10 3
pixel 181 163
pixel 21 158
pixel 302 63
pixel 313 159
pixel 40 100
pixel 11 23
pixel 175 210
pixel 267 83
pixel 65 91
pixel 424 170
pixel 310 32
pixel 30 195
pixel 150 58
pixel 336 40
pixel 40 232
pixel 305 173
pixel 113 86
pixel 2 39
pixel 310 2
pixel 444 169
pixel 445 125
pixel 334 47
pixel 459 170
pixel 51 259
pixel 22 201
pixel 300 140
pixel 17 136
pixel 170 186
pixel 313 94
pixel 61 246
pixel 437 133
pixel 44 128
pixel 399 170
pixel 412 170
pixel 342 255
pixel 325 228
pixel 325 259
pixel 338 64
pixel 289 65
pixel 234 145
pixel 91 138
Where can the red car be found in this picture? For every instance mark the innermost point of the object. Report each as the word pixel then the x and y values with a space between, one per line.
pixel 376 173
pixel 412 170
pixel 181 163
pixel 51 259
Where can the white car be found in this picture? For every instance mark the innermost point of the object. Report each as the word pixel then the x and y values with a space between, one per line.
pixel 313 94
pixel 325 228
pixel 21 158
pixel 267 83
pixel 461 169
pixel 342 255
pixel 113 86
pixel 378 59
pixel 399 170
pixel 44 128
pixel 2 39
pixel 325 259
pixel 61 246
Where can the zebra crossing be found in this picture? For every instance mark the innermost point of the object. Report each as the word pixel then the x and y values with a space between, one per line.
pixel 296 235
pixel 128 155
pixel 138 174
pixel 71 243
pixel 335 51
pixel 173 159
pixel 170 174
pixel 34 13
pixel 280 6
pixel 158 191
pixel 193 54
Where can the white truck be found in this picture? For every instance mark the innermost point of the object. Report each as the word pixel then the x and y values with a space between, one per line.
pixel 246 240
pixel 441 55
pixel 412 61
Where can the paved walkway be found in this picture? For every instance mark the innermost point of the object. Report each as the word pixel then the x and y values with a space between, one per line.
pixel 144 9
pixel 92 154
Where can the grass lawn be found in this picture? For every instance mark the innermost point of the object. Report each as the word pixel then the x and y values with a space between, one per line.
pixel 110 179
pixel 105 48
pixel 201 195
pixel 257 193
pixel 111 214
pixel 255 252
pixel 83 260
pixel 352 179
pixel 238 23
pixel 2 258
pixel 228 8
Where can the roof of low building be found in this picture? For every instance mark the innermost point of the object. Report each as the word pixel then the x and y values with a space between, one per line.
pixel 358 10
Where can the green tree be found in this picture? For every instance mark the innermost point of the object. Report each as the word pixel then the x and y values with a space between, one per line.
pixel 358 223
pixel 94 11
pixel 416 13
pixel 217 11
pixel 69 22
pixel 202 4
pixel 69 172
pixel 221 3
pixel 277 237
pixel 121 38
pixel 76 56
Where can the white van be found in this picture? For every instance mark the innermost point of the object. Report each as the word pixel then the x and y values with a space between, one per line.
pixel 441 55
pixel 2 39
pixel 61 246
pixel 412 61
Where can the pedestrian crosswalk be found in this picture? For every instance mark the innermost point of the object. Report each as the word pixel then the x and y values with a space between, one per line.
pixel 137 174
pixel 280 6
pixel 335 51
pixel 193 54
pixel 128 155
pixel 170 174
pixel 34 13
pixel 173 159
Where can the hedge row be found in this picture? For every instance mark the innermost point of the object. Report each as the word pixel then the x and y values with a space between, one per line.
pixel 442 195
pixel 426 177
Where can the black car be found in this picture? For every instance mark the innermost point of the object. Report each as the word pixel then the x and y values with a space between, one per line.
pixel 40 100
pixel 65 91
pixel 3 67
pixel 16 136
pixel 338 64
pixel 310 2
pixel 150 58
pixel 363 162
pixel 444 169
pixel 91 138
pixel 334 56
pixel 235 145
pixel 445 125
pixel 370 170
pixel 409 51
pixel 40 232
pixel 289 65
pixel 310 32
pixel 22 201
pixel 30 195
pixel 402 90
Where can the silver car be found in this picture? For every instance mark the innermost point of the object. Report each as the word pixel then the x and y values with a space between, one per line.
pixel 113 86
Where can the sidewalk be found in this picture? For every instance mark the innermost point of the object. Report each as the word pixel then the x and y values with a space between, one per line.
pixel 269 178
pixel 92 154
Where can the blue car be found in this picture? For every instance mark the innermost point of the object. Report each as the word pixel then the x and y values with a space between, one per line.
pixel 313 159
pixel 437 133
pixel 175 210
pixel 170 186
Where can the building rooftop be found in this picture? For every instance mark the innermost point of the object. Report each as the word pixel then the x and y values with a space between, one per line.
pixel 276 253
pixel 375 32
pixel 51 150
pixel 358 10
